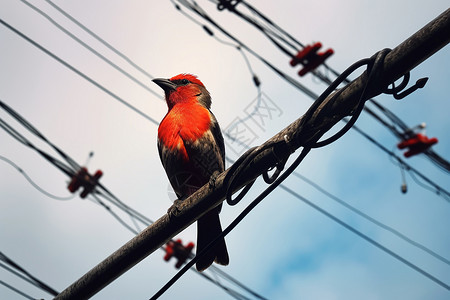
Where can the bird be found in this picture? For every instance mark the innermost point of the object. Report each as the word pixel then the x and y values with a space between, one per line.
pixel 192 151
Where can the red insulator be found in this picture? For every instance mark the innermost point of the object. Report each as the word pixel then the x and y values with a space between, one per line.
pixel 310 58
pixel 77 180
pixel 177 250
pixel 315 62
pixel 416 144
pixel 85 180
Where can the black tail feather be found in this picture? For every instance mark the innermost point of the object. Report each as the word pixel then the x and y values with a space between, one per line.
pixel 208 228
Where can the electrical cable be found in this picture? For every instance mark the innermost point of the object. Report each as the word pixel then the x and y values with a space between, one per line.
pixel 138 216
pixel 372 220
pixel 98 38
pixel 96 53
pixel 17 290
pixel 60 165
pixel 101 203
pixel 195 8
pixel 437 160
pixel 34 184
pixel 271 35
pixel 235 222
pixel 100 190
pixel 237 169
pixel 34 131
pixel 141 113
pixel 17 274
pixel 95 83
pixel 368 239
pixel 440 191
pixel 38 283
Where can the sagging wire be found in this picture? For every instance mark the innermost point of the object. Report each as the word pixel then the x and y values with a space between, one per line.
pixel 256 80
pixel 99 191
pixel 34 184
pixel 289 41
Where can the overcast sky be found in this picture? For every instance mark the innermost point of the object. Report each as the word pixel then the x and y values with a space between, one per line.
pixel 284 249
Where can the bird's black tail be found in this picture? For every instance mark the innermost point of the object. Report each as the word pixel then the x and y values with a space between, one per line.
pixel 208 228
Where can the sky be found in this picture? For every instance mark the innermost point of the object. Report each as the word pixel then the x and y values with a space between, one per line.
pixel 284 249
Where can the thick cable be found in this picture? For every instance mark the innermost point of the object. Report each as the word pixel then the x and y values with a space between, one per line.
pixel 35 281
pixel 236 221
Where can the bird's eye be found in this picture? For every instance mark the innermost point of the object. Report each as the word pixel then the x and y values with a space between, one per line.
pixel 184 81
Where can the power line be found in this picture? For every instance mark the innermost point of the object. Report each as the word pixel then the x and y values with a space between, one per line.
pixel 197 9
pixel 440 190
pixel 79 72
pixel 278 35
pixel 372 220
pixel 98 38
pixel 29 126
pixel 231 181
pixel 22 273
pixel 40 135
pixel 17 290
pixel 79 41
pixel 368 239
pixel 102 191
pixel 34 184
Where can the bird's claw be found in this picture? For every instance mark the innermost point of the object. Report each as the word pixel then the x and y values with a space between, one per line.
pixel 213 178
pixel 174 210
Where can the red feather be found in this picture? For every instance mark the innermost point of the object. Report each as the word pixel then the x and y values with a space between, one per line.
pixel 190 77
pixel 185 122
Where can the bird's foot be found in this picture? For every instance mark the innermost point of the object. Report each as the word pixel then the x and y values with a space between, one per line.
pixel 175 209
pixel 213 178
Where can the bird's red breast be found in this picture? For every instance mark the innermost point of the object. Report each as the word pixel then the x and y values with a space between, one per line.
pixel 184 123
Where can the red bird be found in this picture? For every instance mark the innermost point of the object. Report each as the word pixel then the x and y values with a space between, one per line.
pixel 191 148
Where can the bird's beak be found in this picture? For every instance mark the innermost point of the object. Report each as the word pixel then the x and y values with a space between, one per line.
pixel 165 84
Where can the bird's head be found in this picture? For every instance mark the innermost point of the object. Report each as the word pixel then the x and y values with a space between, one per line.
pixel 184 88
